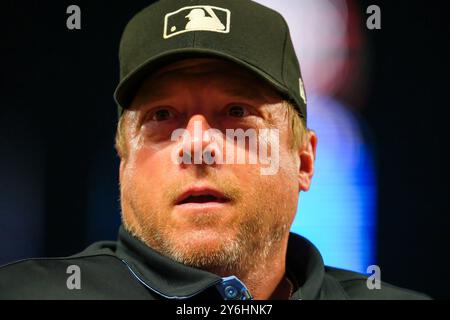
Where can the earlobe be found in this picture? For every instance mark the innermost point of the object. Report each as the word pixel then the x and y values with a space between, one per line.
pixel 307 155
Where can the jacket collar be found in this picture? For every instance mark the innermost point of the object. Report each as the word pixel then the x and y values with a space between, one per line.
pixel 173 280
pixel 304 262
pixel 160 274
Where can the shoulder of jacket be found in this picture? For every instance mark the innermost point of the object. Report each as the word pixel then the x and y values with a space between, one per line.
pixel 48 277
pixel 88 254
pixel 355 286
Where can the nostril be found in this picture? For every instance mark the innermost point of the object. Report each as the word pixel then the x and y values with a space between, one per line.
pixel 209 156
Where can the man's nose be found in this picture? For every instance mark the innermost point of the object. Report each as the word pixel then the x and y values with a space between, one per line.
pixel 197 128
pixel 198 147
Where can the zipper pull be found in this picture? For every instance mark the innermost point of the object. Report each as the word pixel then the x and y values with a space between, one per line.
pixel 231 288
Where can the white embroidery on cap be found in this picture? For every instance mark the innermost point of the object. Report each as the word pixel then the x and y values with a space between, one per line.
pixel 196 18
pixel 302 90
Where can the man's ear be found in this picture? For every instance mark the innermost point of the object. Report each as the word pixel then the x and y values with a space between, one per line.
pixel 122 169
pixel 307 156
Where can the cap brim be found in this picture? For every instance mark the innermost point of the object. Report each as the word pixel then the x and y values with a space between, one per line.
pixel 127 88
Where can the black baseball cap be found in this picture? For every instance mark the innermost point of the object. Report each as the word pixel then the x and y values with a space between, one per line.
pixel 242 31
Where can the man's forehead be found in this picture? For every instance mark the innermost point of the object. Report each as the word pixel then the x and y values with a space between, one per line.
pixel 208 66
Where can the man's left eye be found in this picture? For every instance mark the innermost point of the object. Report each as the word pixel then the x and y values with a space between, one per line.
pixel 162 114
pixel 237 111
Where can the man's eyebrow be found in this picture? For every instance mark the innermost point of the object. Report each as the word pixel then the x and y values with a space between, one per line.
pixel 246 91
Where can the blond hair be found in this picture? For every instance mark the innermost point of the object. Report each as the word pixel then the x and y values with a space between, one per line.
pixel 297 127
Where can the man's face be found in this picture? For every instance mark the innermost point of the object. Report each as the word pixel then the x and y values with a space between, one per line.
pixel 210 216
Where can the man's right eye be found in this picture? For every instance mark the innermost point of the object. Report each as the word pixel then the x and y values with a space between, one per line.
pixel 162 114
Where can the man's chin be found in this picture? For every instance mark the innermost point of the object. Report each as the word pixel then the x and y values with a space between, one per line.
pixel 204 240
pixel 204 250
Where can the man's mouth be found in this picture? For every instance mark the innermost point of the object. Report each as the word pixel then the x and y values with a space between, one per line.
pixel 200 195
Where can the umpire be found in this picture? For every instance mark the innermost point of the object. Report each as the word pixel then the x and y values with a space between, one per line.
pixel 198 221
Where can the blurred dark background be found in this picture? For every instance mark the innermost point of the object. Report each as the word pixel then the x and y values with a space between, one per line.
pixel 57 125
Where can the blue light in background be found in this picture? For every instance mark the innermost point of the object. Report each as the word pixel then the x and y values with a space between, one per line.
pixel 338 213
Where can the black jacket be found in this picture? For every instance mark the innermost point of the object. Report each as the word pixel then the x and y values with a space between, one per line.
pixel 128 269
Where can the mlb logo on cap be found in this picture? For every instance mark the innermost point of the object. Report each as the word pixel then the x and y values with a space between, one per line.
pixel 196 18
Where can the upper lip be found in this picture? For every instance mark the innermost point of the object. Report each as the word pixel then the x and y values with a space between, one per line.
pixel 201 191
